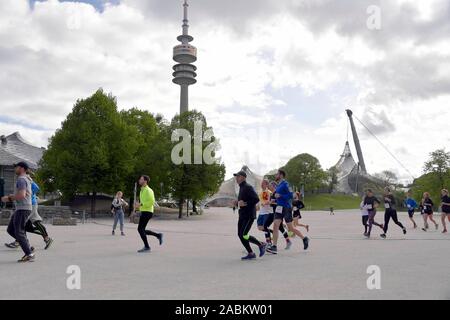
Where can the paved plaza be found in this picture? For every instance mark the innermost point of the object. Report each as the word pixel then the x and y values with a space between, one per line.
pixel 200 259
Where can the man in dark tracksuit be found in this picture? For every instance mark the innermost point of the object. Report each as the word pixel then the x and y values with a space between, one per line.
pixel 391 212
pixel 247 201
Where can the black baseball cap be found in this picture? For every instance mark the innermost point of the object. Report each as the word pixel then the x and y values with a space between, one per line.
pixel 240 173
pixel 22 164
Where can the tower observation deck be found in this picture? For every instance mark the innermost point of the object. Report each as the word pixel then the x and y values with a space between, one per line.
pixel 184 54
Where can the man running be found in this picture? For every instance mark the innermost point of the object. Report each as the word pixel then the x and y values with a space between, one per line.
pixel 34 222
pixel 23 207
pixel 247 201
pixel 445 207
pixel 411 204
pixel 146 207
pixel 390 212
pixel 283 211
pixel 371 203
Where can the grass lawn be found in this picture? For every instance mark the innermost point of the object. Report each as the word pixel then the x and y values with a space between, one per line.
pixel 326 201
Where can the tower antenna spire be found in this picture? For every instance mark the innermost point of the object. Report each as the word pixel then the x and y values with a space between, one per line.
pixel 184 54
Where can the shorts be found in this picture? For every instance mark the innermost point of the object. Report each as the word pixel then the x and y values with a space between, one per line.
pixel 262 218
pixel 286 215
pixel 410 213
pixel 297 214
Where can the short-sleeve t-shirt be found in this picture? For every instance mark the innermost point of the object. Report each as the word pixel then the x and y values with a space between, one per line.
pixel 23 183
pixel 265 196
pixel 446 208
pixel 427 205
pixel 369 203
pixel 297 205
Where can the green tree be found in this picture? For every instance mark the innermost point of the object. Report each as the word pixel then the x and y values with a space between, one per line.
pixel 439 164
pixel 305 170
pixel 388 178
pixel 93 151
pixel 190 181
pixel 332 178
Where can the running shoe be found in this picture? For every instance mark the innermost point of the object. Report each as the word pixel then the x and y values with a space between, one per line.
pixel 272 249
pixel 288 245
pixel 445 231
pixel 48 243
pixel 144 250
pixel 122 234
pixel 25 258
pixel 424 229
pixel 250 256
pixel 113 232
pixel 383 235
pixel 404 230
pixel 365 234
pixel 262 250
pixel 305 243
pixel 160 238
pixel 12 245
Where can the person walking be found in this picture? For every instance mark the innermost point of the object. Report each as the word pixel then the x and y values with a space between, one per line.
pixel 445 207
pixel 247 201
pixel 146 207
pixel 23 207
pixel 390 212
pixel 118 205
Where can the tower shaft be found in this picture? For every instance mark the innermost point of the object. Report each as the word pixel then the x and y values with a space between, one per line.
pixel 362 164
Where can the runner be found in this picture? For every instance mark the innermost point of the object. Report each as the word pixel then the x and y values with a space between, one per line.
pixel 371 203
pixel 390 212
pixel 297 205
pixel 283 211
pixel 247 201
pixel 445 207
pixel 265 209
pixel 23 207
pixel 365 216
pixel 271 218
pixel 118 204
pixel 411 204
pixel 427 212
pixel 146 206
pixel 34 222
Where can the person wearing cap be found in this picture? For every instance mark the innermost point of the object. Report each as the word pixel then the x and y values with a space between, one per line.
pixel 23 207
pixel 247 201
pixel 390 212
pixel 445 207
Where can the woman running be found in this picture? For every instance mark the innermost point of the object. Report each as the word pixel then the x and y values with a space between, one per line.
pixel 427 212
pixel 445 207
pixel 371 203
pixel 265 209
pixel 391 212
pixel 411 204
pixel 118 204
pixel 297 205
pixel 365 216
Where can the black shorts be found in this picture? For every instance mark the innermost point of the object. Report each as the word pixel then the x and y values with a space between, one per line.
pixel 286 215
pixel 297 214
pixel 410 213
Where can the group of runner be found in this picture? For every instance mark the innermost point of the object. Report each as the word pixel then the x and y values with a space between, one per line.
pixel 370 203
pixel 277 204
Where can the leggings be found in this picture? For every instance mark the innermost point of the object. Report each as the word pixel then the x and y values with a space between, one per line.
pixel 143 221
pixel 372 221
pixel 365 219
pixel 37 228
pixel 391 213
pixel 269 222
pixel 244 226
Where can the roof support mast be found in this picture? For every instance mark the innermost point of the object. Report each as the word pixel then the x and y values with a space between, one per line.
pixel 362 164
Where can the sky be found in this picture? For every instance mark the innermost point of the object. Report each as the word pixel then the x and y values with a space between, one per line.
pixel 274 76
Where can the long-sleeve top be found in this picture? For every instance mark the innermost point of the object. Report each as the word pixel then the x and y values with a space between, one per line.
pixel 248 194
pixel 147 199
pixel 285 194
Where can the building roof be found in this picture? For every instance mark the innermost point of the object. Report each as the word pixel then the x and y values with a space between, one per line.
pixel 14 148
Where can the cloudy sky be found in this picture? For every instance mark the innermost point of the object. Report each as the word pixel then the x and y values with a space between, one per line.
pixel 274 76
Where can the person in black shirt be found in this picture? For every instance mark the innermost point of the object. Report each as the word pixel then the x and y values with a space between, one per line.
pixel 427 211
pixel 391 212
pixel 445 207
pixel 297 205
pixel 247 201
pixel 371 203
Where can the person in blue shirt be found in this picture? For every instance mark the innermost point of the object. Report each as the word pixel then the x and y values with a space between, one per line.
pixel 411 204
pixel 283 211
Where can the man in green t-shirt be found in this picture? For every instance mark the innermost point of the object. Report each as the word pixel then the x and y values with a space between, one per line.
pixel 146 207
